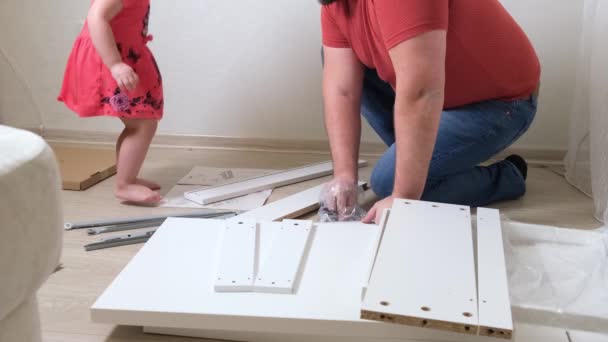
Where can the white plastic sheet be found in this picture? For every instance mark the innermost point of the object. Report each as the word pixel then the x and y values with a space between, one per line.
pixel 558 277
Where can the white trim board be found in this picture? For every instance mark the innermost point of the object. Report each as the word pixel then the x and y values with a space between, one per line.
pixel 226 191
pixel 280 270
pixel 289 207
pixel 495 318
pixel 424 273
pixel 238 252
pixel 375 247
pixel 535 155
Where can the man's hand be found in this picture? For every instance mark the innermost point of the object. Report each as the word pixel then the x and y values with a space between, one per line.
pixel 124 75
pixel 339 201
pixel 374 215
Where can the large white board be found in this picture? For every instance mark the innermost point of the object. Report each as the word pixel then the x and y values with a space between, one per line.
pixel 424 273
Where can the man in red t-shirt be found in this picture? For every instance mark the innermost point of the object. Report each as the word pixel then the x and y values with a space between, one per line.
pixel 447 84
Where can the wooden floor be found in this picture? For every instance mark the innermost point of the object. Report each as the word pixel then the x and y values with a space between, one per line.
pixel 66 297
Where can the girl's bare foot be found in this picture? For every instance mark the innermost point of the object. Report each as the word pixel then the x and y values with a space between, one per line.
pixel 137 193
pixel 148 184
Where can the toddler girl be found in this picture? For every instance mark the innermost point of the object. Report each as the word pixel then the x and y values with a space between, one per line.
pixel 111 72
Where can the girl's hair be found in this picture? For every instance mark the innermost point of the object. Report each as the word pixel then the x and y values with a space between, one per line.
pixel 327 2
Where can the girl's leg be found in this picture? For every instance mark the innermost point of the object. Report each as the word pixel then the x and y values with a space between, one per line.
pixel 147 183
pixel 132 147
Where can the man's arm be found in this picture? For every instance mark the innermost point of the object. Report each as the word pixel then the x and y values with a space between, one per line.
pixel 420 70
pixel 342 85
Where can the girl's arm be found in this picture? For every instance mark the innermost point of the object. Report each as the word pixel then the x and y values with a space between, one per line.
pixel 98 19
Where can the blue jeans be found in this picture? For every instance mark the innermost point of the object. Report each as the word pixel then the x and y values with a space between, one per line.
pixel 468 136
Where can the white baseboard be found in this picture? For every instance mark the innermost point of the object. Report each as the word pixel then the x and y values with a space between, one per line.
pixel 534 155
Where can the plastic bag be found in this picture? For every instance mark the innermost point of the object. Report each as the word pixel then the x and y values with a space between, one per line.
pixel 558 277
pixel 339 202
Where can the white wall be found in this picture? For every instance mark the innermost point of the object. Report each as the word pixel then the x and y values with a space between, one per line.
pixel 249 68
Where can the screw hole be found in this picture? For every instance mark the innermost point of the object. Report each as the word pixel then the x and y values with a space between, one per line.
pixel 406 202
pixel 384 303
pixel 470 300
pixel 382 317
pixel 234 282
pixel 240 222
pixel 463 209
pixel 273 283
pixel 467 328
pixel 425 308
pixel 490 331
pixel 467 314
pixel 296 224
pixel 502 332
pixel 485 301
pixel 435 206
pixel 425 322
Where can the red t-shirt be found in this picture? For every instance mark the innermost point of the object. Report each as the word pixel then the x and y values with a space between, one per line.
pixel 488 54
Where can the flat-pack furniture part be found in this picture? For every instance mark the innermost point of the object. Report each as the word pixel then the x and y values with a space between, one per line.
pixel 524 333
pixel 424 274
pixel 238 251
pixel 281 269
pixel 278 179
pixel 495 318
pixel 290 207
pixel 326 302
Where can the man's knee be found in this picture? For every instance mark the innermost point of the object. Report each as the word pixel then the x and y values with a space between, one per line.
pixel 382 181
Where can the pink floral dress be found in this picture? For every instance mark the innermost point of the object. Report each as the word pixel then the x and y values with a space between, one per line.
pixel 88 86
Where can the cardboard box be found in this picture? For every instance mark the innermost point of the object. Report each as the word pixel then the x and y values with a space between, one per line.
pixel 82 167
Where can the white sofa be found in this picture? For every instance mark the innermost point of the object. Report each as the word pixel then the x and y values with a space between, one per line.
pixel 30 230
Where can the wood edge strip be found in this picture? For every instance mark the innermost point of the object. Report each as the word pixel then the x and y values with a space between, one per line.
pixel 419 322
pixel 496 332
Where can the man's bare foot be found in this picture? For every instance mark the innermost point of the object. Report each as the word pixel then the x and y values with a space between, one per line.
pixel 148 184
pixel 137 194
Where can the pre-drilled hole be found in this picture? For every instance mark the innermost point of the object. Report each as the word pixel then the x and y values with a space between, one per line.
pixel 463 209
pixel 425 308
pixel 406 202
pixel 467 314
pixel 435 206
pixel 296 224
pixel 384 303
pixel 234 282
pixel 490 331
pixel 425 322
pixel 467 328
pixel 502 332
pixel 273 283
pixel 240 222
pixel 382 317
